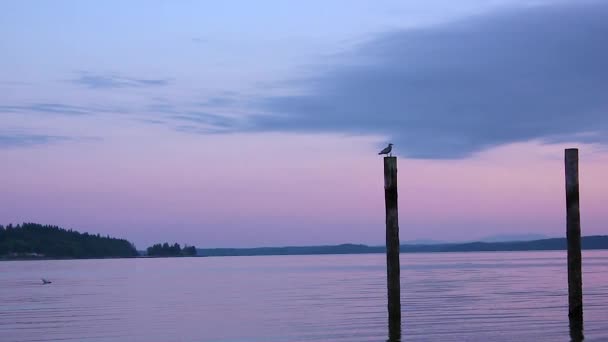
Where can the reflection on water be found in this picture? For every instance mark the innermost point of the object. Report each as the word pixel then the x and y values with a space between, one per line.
pixel 445 297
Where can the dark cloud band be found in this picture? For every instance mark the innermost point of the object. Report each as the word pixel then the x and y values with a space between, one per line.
pixel 452 90
pixel 99 81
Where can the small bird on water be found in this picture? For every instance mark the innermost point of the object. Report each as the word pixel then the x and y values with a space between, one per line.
pixel 387 150
pixel 45 281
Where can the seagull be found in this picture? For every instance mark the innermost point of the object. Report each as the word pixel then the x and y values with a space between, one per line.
pixel 387 150
pixel 45 281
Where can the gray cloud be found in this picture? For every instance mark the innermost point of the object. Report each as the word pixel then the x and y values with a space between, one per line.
pixel 204 123
pixel 109 81
pixel 218 101
pixel 164 107
pixel 9 140
pixel 197 129
pixel 455 89
pixel 152 121
pixel 15 138
pixel 51 108
pixel 59 109
pixel 189 118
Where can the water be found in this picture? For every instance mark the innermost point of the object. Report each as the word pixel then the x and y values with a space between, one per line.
pixel 445 297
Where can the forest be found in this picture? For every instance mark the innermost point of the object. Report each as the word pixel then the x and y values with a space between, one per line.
pixel 32 240
pixel 165 249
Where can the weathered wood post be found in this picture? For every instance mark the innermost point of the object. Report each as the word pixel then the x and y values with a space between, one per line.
pixel 573 234
pixel 392 246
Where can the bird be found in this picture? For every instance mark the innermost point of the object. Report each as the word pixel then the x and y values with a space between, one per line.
pixel 387 150
pixel 45 281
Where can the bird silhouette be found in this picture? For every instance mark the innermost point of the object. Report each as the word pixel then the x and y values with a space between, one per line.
pixel 45 281
pixel 387 150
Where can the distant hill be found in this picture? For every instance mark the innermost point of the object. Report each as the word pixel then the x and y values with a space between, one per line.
pixel 304 250
pixel 423 242
pixel 588 242
pixel 491 238
pixel 514 237
pixel 31 240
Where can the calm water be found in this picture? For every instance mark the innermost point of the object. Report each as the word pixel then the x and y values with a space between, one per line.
pixel 446 297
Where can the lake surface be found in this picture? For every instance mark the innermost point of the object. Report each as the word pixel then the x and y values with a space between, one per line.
pixel 509 296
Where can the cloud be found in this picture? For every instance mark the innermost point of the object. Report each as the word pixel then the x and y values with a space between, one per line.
pixel 11 140
pixel 15 137
pixel 205 118
pixel 189 118
pixel 218 101
pixel 51 108
pixel 152 121
pixel 60 109
pixel 109 81
pixel 204 123
pixel 197 129
pixel 448 91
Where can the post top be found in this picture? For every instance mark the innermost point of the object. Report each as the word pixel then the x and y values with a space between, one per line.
pixel 571 153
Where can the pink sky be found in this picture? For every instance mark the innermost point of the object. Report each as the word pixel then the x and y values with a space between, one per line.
pixel 303 189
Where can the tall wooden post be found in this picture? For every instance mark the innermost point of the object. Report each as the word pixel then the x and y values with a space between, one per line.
pixel 573 234
pixel 392 246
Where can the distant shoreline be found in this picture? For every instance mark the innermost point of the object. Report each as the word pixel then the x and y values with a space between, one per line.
pixel 598 242
pixel 5 258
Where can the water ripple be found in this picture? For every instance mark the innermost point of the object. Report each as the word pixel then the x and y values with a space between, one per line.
pixel 445 297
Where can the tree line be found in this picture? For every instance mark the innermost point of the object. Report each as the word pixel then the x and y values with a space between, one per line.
pixel 36 240
pixel 171 250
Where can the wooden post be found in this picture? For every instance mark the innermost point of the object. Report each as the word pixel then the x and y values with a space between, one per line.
pixel 392 246
pixel 573 234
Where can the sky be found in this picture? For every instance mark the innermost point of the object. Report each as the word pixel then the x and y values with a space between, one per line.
pixel 241 123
